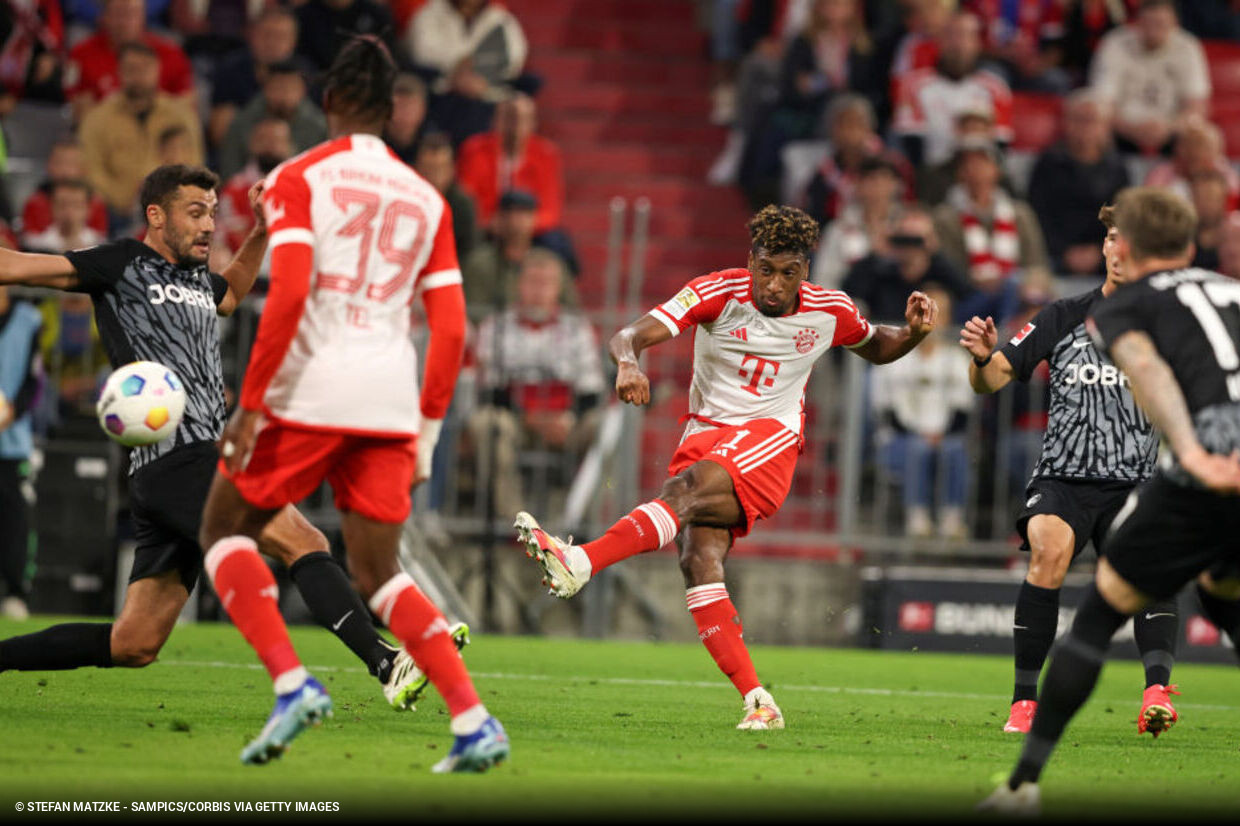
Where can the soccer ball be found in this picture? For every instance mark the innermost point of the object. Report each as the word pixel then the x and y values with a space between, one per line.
pixel 141 404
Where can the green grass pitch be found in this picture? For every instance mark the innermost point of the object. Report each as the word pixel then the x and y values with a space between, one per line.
pixel 609 730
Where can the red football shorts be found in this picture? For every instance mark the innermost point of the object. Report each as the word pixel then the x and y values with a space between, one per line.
pixel 371 476
pixel 760 456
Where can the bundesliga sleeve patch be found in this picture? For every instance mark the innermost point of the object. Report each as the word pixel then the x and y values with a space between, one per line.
pixel 1023 334
pixel 681 303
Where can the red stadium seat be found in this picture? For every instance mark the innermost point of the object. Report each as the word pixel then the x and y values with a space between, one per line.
pixel 1035 120
pixel 1223 56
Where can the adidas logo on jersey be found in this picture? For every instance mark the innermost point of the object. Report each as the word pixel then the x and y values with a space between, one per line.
pixel 180 295
pixel 741 334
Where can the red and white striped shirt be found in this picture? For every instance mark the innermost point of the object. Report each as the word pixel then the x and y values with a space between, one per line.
pixel 355 236
pixel 747 365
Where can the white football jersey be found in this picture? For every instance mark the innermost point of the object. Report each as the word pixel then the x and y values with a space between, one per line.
pixel 380 235
pixel 747 365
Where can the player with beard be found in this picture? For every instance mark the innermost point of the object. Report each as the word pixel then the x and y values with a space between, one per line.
pixel 155 300
pixel 759 332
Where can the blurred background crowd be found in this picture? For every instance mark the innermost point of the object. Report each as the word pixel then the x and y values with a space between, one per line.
pixel 957 146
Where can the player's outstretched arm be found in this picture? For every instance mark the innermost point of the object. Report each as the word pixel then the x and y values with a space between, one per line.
pixel 243 270
pixel 990 370
pixel 1156 390
pixel 632 386
pixel 890 343
pixel 33 269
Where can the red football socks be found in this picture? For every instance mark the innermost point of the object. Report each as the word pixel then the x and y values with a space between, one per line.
pixel 249 594
pixel 720 630
pixel 647 527
pixel 418 624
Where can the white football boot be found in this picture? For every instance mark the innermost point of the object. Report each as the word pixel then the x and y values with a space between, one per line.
pixel 407 682
pixel 761 713
pixel 566 567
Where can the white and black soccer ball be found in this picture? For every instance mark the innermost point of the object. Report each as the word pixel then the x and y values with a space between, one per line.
pixel 141 403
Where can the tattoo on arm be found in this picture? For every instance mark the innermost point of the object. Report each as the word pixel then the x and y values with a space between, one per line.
pixel 1155 389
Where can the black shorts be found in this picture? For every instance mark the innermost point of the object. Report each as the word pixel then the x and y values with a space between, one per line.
pixel 1167 534
pixel 166 499
pixel 1087 505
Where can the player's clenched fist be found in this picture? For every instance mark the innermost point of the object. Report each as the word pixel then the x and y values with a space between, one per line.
pixel 979 337
pixel 632 386
pixel 921 313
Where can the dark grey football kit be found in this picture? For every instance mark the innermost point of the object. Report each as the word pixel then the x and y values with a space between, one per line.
pixel 1098 443
pixel 148 309
pixel 1173 528
pixel 1098 446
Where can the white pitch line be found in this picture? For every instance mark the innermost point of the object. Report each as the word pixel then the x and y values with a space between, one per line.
pixel 819 689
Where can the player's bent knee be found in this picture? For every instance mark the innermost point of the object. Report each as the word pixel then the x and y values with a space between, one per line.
pixel 134 652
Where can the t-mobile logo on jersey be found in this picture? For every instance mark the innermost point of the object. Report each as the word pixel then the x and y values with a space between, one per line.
pixel 756 378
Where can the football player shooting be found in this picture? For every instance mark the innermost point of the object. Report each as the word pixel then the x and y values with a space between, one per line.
pixel 156 301
pixel 736 459
pixel 337 329
pixel 1098 446
pixel 1175 333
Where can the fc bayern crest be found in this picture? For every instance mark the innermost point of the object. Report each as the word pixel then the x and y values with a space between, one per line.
pixel 805 340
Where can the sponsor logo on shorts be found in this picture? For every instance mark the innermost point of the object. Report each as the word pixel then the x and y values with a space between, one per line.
pixel 1033 500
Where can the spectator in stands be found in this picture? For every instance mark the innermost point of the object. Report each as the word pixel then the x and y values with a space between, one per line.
pixel 120 137
pixel 93 71
pixel 1025 38
pixel 974 122
pixel 408 122
pixel 1229 248
pixel 923 405
pixel 491 271
pixel 512 156
pixel 540 378
pixel 19 381
pixel 212 28
pixel 177 145
pixel 930 99
pixel 882 283
pixel 1071 179
pixel 283 96
pixel 1198 149
pixel 32 39
pixel 322 23
pixel 853 139
pixel 912 45
pixel 271 143
pixel 70 202
pixel 830 55
pixel 986 232
pixel 64 163
pixel 1154 74
pixel 864 225
pixel 1209 197
pixel 475 52
pixel 436 163
pixel 238 76
pixel 1085 23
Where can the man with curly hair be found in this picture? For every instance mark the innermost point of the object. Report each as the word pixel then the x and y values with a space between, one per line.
pixel 761 331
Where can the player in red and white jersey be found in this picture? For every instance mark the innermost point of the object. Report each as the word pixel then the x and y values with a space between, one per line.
pixel 331 393
pixel 757 334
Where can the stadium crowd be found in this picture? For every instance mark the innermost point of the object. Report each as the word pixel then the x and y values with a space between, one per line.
pixel 908 128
